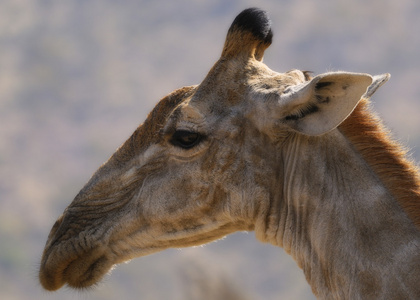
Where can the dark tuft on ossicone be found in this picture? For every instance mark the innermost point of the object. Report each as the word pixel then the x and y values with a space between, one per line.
pixel 256 21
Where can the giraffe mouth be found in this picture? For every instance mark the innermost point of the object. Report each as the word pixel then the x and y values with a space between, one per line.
pixel 77 271
pixel 84 269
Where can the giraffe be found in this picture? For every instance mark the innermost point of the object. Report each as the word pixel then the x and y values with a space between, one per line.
pixel 301 160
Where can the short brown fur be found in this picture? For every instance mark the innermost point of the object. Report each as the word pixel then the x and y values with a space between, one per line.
pixel 148 132
pixel 386 157
pixel 253 149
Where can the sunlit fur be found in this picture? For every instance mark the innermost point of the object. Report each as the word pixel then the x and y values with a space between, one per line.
pixel 300 160
pixel 386 157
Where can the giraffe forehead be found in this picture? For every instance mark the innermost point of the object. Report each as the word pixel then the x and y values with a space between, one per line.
pixel 191 112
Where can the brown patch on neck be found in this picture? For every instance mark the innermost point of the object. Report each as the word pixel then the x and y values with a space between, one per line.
pixel 386 158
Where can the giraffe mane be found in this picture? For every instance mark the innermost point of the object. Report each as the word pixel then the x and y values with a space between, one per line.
pixel 386 157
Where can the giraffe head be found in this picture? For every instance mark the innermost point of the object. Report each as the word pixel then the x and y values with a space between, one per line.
pixel 205 163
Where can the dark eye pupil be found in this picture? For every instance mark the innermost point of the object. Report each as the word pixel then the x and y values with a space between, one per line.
pixel 185 139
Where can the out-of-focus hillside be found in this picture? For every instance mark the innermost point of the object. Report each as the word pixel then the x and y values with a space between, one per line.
pixel 77 77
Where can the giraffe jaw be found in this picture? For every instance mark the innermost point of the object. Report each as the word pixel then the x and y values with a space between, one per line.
pixel 86 268
pixel 78 271
pixel 83 271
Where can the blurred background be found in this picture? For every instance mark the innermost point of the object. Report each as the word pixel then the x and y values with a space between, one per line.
pixel 77 77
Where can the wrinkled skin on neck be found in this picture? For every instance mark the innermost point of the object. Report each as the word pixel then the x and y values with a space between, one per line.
pixel 247 149
pixel 341 225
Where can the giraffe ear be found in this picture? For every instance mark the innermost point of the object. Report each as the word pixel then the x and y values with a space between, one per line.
pixel 320 105
pixel 249 35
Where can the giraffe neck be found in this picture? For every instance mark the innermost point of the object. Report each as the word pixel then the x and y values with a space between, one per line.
pixel 341 225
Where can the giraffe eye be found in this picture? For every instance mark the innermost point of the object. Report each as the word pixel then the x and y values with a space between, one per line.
pixel 186 139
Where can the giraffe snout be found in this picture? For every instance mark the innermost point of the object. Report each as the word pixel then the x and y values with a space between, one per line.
pixel 55 227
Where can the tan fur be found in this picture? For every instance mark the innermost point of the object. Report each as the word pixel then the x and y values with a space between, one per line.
pixel 248 45
pixel 148 132
pixel 266 155
pixel 387 158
